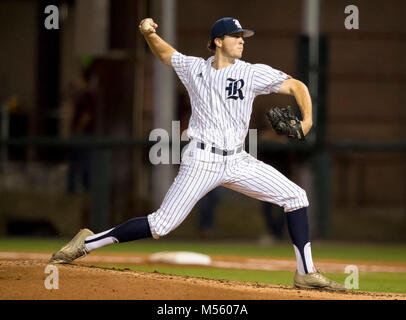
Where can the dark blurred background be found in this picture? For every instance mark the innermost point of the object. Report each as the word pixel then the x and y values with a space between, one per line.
pixel 79 102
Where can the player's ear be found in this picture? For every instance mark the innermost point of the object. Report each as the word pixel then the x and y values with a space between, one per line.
pixel 218 42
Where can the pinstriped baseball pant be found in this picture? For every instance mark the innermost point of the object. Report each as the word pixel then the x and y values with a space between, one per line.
pixel 201 171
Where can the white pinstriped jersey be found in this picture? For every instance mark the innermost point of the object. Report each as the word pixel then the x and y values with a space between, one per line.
pixel 221 100
pixel 221 109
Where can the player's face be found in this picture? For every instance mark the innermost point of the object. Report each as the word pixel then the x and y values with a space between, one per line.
pixel 233 45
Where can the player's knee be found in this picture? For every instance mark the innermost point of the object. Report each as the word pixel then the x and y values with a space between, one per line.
pixel 299 200
pixel 302 197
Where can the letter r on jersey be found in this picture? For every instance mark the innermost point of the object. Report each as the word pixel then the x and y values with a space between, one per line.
pixel 234 88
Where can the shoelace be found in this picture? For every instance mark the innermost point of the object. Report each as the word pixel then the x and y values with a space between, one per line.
pixel 319 273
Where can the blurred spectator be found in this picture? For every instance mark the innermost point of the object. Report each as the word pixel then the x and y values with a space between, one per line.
pixel 273 216
pixel 82 125
pixel 184 111
pixel 207 208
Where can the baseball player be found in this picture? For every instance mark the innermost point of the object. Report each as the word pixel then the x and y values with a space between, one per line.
pixel 221 90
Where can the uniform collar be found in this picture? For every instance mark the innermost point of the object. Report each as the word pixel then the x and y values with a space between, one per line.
pixel 210 60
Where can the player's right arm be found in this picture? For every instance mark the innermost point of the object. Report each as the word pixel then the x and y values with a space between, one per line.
pixel 161 49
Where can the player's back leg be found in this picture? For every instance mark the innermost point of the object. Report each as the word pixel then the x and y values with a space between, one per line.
pixel 261 181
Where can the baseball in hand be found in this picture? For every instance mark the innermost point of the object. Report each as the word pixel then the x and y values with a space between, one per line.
pixel 146 26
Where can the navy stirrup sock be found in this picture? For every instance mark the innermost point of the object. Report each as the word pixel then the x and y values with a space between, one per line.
pixel 298 227
pixel 133 229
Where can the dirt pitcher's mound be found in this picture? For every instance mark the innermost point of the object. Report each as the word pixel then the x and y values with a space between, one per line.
pixel 26 279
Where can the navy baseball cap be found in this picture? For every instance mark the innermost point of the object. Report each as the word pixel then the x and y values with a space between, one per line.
pixel 225 26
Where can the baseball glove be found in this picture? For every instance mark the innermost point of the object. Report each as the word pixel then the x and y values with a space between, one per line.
pixel 285 122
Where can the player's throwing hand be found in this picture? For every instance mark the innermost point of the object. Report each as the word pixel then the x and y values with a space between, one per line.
pixel 147 26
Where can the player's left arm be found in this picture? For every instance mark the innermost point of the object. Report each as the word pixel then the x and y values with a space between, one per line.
pixel 299 90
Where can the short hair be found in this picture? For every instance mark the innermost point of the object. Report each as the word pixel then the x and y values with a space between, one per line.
pixel 211 46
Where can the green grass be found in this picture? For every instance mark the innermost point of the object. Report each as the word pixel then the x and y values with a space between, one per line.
pixel 348 252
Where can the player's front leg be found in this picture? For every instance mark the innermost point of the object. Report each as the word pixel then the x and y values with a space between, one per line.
pixel 194 180
pixel 86 241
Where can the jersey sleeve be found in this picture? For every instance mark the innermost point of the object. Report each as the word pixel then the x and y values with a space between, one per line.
pixel 267 79
pixel 182 65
